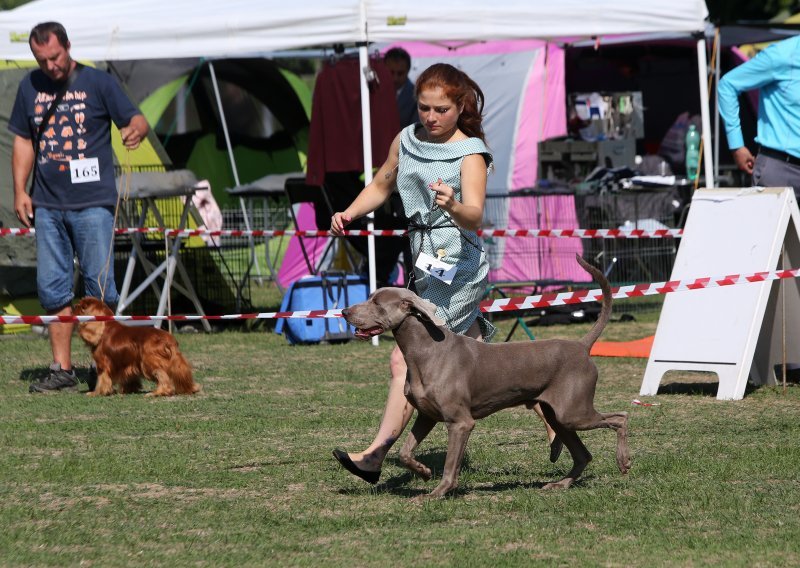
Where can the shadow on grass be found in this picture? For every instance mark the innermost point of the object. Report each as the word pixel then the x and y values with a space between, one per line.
pixel 703 389
pixel 400 484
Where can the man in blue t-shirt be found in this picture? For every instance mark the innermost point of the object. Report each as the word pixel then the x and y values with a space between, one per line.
pixel 62 125
pixel 776 73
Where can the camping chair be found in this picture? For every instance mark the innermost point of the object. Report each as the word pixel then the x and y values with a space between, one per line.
pixel 297 192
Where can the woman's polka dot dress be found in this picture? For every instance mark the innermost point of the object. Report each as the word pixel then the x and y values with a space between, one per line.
pixel 433 231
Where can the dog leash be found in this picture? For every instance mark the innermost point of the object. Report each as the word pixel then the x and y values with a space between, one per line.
pixel 125 179
pixel 428 228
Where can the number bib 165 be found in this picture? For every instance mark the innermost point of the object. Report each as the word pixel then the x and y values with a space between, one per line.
pixel 85 170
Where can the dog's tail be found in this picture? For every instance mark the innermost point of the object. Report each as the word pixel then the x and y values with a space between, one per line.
pixel 605 312
pixel 181 374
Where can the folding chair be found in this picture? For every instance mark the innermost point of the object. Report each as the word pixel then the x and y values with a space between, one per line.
pixel 147 189
pixel 297 192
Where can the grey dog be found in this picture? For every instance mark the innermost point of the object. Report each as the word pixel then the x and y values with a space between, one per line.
pixel 456 379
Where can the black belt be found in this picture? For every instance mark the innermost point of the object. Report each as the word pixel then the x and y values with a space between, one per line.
pixel 778 155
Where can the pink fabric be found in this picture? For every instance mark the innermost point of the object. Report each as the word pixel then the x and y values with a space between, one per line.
pixel 294 266
pixel 208 209
pixel 544 115
pixel 455 48
pixel 541 258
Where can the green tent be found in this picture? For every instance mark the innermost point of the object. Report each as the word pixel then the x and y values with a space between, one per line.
pixel 267 113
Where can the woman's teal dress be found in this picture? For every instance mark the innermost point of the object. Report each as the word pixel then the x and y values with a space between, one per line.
pixel 431 229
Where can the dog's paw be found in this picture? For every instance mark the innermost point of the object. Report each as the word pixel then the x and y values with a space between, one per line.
pixel 562 484
pixel 417 467
pixel 98 393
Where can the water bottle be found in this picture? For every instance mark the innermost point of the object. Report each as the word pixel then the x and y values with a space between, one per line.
pixel 692 152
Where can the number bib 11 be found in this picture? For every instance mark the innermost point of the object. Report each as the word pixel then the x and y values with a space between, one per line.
pixel 85 170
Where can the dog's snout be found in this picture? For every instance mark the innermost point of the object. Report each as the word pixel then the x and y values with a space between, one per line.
pixel 346 312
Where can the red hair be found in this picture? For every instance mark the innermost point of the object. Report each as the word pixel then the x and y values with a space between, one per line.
pixel 459 88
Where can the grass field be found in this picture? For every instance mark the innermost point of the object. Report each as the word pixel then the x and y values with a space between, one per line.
pixel 242 474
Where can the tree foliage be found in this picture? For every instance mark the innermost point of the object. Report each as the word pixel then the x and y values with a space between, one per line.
pixel 733 11
pixel 9 4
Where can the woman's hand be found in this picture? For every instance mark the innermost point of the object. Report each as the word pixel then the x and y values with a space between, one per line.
pixel 339 221
pixel 445 195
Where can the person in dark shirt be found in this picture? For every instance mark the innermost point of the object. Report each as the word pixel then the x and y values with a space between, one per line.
pixel 398 62
pixel 61 121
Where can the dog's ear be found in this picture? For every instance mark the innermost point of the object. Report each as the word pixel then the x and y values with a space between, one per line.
pixel 91 332
pixel 423 308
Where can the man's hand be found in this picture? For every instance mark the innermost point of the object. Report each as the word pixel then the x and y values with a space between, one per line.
pixel 22 156
pixel 134 133
pixel 24 208
pixel 744 159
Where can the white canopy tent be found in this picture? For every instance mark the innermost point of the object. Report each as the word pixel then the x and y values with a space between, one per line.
pixel 151 29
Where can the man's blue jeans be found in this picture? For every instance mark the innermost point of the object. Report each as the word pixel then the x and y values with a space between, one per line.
pixel 60 235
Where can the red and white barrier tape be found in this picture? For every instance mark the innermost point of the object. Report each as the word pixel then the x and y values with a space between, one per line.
pixel 498 233
pixel 43 320
pixel 633 291
pixel 502 305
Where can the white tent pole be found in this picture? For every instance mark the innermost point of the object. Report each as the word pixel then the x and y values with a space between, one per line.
pixel 225 132
pixel 253 258
pixel 717 76
pixel 705 114
pixel 366 139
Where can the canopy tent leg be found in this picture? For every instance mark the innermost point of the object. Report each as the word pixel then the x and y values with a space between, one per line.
pixel 250 239
pixel 366 137
pixel 705 114
pixel 717 76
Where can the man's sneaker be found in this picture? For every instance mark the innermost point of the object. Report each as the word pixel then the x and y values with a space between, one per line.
pixel 57 380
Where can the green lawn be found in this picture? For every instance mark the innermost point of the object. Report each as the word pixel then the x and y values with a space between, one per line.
pixel 241 475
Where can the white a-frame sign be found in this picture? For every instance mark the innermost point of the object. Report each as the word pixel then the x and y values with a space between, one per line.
pixel 734 331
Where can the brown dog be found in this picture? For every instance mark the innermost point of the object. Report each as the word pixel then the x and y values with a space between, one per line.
pixel 124 355
pixel 456 379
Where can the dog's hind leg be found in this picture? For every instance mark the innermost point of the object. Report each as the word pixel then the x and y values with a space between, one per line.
pixel 422 427
pixel 580 455
pixel 163 384
pixel 457 437
pixel 618 421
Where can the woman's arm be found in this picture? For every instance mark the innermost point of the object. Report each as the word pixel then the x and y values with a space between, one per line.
pixel 372 196
pixel 467 213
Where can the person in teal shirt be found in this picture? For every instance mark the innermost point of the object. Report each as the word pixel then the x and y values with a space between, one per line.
pixel 775 71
